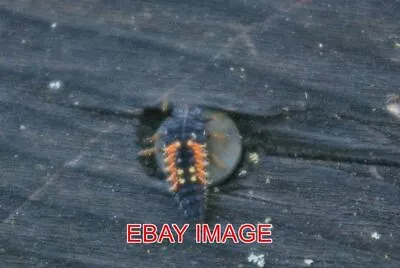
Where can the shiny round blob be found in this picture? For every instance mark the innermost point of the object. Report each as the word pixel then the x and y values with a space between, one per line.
pixel 224 147
pixel 393 105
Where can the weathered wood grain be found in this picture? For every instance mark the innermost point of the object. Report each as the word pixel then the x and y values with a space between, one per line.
pixel 305 81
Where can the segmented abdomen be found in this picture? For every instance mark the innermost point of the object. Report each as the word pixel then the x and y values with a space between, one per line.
pixel 175 173
pixel 191 199
pixel 186 164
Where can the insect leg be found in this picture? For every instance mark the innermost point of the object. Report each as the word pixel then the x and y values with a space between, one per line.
pixel 147 152
pixel 218 135
pixel 153 138
pixel 217 161
pixel 164 102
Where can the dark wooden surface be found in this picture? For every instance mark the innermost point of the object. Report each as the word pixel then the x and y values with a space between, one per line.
pixel 305 81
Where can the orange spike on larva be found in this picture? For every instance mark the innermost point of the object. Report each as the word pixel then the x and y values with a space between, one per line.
pixel 171 168
pixel 171 178
pixel 200 155
pixel 172 147
pixel 169 159
pixel 174 187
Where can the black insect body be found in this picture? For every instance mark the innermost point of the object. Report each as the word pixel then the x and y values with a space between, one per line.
pixel 182 140
pixel 195 148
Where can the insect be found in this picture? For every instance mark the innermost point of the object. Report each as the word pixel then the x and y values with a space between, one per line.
pixel 195 148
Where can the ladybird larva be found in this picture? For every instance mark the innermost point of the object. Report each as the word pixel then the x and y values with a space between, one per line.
pixel 196 148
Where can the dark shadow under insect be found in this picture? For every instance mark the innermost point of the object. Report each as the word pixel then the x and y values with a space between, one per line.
pixel 195 148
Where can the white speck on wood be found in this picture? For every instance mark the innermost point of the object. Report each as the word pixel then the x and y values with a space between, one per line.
pixel 254 158
pixel 55 85
pixel 242 173
pixel 308 262
pixel 259 260
pixel 375 235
